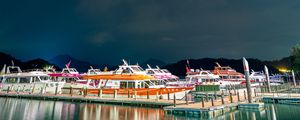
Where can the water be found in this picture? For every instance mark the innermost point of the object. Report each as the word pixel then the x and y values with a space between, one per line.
pixel 25 109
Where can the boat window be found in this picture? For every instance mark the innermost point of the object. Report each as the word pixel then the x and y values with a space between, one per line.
pixel 44 77
pixel 11 80
pixel 25 80
pixel 204 73
pixel 35 79
pixel 166 71
pixel 138 69
pixel 126 70
pixel 157 71
pixel 131 85
pixel 150 72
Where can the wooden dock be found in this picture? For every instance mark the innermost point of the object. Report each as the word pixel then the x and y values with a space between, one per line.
pixel 154 103
pixel 209 108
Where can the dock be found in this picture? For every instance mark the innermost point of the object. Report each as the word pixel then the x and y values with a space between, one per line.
pixel 153 103
pixel 212 107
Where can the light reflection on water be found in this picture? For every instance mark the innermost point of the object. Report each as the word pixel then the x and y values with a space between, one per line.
pixel 25 109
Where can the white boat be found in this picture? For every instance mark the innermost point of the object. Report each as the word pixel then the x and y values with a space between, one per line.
pixel 71 77
pixel 258 78
pixel 30 80
pixel 202 77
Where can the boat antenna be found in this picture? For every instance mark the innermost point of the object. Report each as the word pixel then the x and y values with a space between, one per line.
pixel 12 63
pixel 3 69
pixel 218 64
pixel 91 67
pixel 125 62
pixel 149 66
pixel 157 67
pixel 201 69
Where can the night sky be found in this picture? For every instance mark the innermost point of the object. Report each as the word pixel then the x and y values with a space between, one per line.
pixel 105 31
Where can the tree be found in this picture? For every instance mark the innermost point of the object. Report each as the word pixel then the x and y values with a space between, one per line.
pixel 295 54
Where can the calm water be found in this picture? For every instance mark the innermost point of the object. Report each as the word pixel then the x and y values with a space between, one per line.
pixel 24 109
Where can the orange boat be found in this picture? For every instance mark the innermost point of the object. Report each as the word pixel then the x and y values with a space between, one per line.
pixel 132 79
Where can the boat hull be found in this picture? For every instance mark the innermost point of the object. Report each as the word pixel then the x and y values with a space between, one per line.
pixel 163 93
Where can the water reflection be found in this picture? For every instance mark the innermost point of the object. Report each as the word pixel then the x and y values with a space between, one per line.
pixel 24 109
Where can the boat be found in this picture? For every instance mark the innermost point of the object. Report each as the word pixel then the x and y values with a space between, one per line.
pixel 257 78
pixel 71 77
pixel 130 78
pixel 162 74
pixel 228 75
pixel 276 79
pixel 202 77
pixel 35 80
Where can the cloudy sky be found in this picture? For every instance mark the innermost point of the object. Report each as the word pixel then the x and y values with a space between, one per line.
pixel 105 31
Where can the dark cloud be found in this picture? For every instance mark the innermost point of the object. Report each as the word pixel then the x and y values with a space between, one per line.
pixel 107 31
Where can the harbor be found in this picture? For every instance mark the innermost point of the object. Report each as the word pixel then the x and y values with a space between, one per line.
pixel 211 105
pixel 205 94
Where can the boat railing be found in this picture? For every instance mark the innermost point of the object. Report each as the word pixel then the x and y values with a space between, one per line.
pixel 34 70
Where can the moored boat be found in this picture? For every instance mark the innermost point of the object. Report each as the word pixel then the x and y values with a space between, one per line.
pixel 133 78
pixel 31 80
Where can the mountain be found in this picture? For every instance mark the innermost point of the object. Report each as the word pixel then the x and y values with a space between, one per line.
pixel 153 62
pixel 81 66
pixel 7 59
pixel 36 63
pixel 179 68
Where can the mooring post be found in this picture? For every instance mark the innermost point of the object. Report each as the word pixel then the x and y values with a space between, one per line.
pixel 115 93
pixel 202 100
pixel 168 94
pixel 248 83
pixel 128 93
pixel 222 98
pixel 100 93
pixel 268 79
pixel 215 95
pixel 33 89
pixel 84 92
pixel 186 98
pixel 135 94
pixel 71 91
pixel 206 97
pixel 55 90
pixel 294 79
pixel 234 89
pixel 148 93
pixel 157 97
pixel 230 98
pixel 41 92
pixel 245 95
pixel 174 99
pixel 212 102
pixel 238 96
pixel 8 88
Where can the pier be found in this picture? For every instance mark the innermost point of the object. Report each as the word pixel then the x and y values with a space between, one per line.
pixel 212 103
